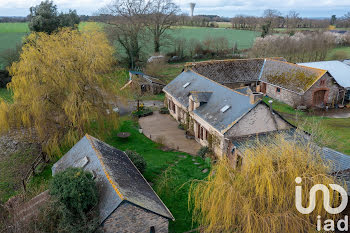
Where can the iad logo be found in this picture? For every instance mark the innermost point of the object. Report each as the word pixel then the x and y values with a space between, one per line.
pixel 329 223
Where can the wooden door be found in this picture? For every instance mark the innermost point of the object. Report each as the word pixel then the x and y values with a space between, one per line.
pixel 263 88
pixel 318 99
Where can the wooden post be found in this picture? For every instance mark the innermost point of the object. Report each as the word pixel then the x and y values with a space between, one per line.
pixel 24 184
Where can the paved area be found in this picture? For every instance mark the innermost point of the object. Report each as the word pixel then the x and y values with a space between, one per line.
pixel 163 128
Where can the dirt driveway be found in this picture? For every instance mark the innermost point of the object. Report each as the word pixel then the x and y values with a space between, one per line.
pixel 164 128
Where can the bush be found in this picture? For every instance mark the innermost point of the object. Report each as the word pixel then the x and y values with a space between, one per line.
pixel 181 126
pixel 5 78
pixel 164 110
pixel 76 189
pixel 137 159
pixel 72 206
pixel 203 151
pixel 143 113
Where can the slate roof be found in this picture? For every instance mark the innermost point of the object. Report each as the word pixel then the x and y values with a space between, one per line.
pixel 117 177
pixel 244 90
pixel 339 70
pixel 241 143
pixel 339 163
pixel 229 71
pixel 290 76
pixel 221 96
pixel 200 96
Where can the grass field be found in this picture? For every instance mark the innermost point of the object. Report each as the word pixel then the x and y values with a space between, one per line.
pixel 346 50
pixel 336 131
pixel 5 95
pixel 11 34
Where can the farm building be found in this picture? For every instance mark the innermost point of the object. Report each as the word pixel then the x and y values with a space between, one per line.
pixel 127 202
pixel 338 70
pixel 290 83
pixel 339 162
pixel 145 83
pixel 213 112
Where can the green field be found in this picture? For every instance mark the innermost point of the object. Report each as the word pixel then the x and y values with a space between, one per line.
pixel 11 34
pixel 333 52
pixel 244 38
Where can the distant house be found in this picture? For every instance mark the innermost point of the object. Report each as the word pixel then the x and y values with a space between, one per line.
pixel 145 83
pixel 340 71
pixel 213 112
pixel 127 202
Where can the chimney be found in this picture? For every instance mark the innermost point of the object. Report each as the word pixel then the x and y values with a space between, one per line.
pixel 256 96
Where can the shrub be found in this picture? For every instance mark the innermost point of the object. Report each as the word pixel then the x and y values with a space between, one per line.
pixel 76 189
pixel 181 126
pixel 164 110
pixel 203 151
pixel 5 78
pixel 137 159
pixel 143 113
pixel 72 208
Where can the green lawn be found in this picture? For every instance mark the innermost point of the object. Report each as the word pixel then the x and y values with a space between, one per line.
pixel 5 95
pixel 170 173
pixel 244 38
pixel 343 50
pixel 335 131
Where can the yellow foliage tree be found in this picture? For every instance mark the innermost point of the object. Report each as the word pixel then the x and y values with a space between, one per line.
pixel 260 196
pixel 59 88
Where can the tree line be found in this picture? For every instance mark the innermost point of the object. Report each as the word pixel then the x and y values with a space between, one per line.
pixel 275 19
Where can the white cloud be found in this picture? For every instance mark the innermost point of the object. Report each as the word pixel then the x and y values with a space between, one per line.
pixel 219 7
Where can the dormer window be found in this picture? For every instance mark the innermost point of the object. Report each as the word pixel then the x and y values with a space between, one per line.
pixel 225 108
pixel 186 84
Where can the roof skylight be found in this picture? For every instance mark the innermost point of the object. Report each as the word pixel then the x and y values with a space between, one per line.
pixel 186 85
pixel 225 108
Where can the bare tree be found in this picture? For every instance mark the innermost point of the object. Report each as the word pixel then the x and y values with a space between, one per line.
pixel 162 17
pixel 127 21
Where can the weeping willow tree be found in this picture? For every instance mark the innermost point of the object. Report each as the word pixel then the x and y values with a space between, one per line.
pixel 260 196
pixel 60 89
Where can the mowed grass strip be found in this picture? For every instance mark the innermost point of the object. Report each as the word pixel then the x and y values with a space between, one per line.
pixel 6 95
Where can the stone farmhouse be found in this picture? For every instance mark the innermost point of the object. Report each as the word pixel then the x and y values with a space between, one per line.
pixel 144 83
pixel 340 71
pixel 127 202
pixel 293 84
pixel 213 112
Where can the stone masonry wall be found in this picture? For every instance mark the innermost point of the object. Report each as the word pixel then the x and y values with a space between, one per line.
pixel 128 218
pixel 331 88
pixel 285 96
pixel 258 120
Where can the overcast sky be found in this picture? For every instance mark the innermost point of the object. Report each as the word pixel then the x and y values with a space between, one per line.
pixel 229 8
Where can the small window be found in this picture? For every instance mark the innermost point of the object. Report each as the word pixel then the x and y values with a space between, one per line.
pixel 186 85
pixel 225 108
pixel 152 229
pixel 322 82
pixel 278 89
pixel 239 162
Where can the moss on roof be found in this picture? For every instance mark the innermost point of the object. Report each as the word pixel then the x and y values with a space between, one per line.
pixel 290 76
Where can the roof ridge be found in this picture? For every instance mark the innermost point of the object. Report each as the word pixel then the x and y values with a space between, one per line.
pixel 99 156
pixel 115 187
pixel 215 82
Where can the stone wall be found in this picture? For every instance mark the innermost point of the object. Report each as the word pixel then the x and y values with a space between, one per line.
pixel 258 120
pixel 285 96
pixel 128 218
pixel 328 84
